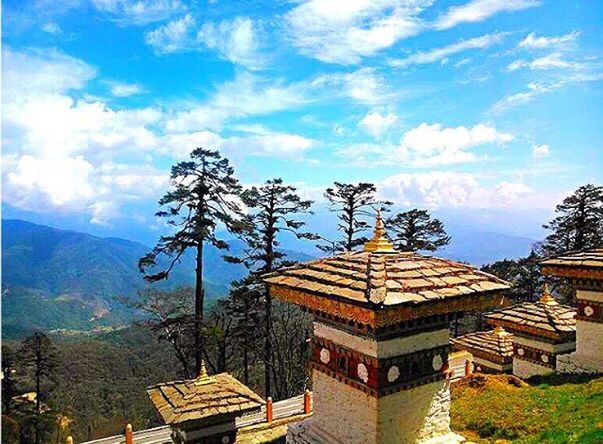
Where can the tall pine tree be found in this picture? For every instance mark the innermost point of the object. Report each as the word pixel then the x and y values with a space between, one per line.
pixel 579 222
pixel 415 230
pixel 352 202
pixel 204 194
pixel 38 353
pixel 273 210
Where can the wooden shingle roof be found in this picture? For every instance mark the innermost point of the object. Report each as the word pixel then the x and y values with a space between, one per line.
pixel 546 317
pixel 204 397
pixel 388 279
pixel 586 264
pixel 497 342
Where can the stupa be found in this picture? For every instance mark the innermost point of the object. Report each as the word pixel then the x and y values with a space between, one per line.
pixel 584 269
pixel 203 410
pixel 492 351
pixel 381 341
pixel 542 330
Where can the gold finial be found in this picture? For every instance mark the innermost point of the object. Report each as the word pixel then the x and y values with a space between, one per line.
pixel 500 331
pixel 69 440
pixel 546 296
pixel 203 377
pixel 379 243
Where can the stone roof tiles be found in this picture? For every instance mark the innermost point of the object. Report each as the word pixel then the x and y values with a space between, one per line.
pixel 497 342
pixel 386 279
pixel 204 397
pixel 587 258
pixel 587 264
pixel 544 317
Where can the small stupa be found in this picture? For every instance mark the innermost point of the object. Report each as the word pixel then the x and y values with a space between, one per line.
pixel 492 350
pixel 542 330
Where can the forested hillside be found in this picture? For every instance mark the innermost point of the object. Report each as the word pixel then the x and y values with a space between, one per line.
pixel 59 279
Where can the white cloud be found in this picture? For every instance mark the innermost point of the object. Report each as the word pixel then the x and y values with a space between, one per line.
pixel 479 10
pixel 449 189
pixel 334 33
pixel 428 145
pixel 176 35
pixel 540 151
pixel 376 124
pixel 139 12
pixel 550 61
pixel 439 54
pixel 533 91
pixel 51 28
pixel 122 89
pixel 235 40
pixel 535 42
pixel 36 72
pixel 364 85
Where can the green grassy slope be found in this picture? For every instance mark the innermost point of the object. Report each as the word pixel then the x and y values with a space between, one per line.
pixel 553 410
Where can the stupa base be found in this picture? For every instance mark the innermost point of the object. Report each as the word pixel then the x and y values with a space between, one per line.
pixel 574 363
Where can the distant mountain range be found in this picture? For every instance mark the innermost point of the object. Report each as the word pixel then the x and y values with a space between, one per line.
pixel 59 279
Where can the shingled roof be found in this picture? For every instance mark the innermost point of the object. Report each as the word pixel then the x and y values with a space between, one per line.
pixel 586 264
pixel 546 317
pixel 386 278
pixel 204 397
pixel 497 342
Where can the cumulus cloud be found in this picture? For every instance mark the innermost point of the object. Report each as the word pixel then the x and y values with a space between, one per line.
pixel 376 124
pixel 66 151
pixel 364 85
pixel 533 90
pixel 540 151
pixel 428 145
pixel 439 54
pixel 331 33
pixel 479 10
pixel 532 41
pixel 137 12
pixel 449 189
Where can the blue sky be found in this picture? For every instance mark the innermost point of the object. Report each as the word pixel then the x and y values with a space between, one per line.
pixel 464 105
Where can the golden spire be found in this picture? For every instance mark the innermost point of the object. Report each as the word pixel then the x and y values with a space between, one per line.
pixel 379 243
pixel 203 377
pixel 500 331
pixel 546 296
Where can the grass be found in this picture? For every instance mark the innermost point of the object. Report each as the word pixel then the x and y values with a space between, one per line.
pixel 558 409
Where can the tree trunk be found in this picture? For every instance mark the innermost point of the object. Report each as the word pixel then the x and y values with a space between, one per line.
pixel 268 344
pixel 199 309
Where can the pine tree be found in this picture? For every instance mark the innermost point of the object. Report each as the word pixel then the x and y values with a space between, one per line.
pixel 38 352
pixel 273 210
pixel 351 202
pixel 415 230
pixel 204 194
pixel 579 222
pixel 8 378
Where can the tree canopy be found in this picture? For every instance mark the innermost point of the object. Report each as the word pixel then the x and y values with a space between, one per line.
pixel 415 230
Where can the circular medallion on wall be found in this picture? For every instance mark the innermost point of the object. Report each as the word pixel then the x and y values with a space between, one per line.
pixel 544 358
pixel 393 373
pixel 588 310
pixel 362 372
pixel 437 362
pixel 325 356
pixel 521 351
pixel 225 439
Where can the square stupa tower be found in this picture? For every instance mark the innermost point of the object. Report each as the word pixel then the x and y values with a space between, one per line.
pixel 584 270
pixel 381 341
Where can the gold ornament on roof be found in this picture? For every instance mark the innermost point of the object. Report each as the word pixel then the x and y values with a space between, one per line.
pixel 379 243
pixel 500 332
pixel 546 296
pixel 203 377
